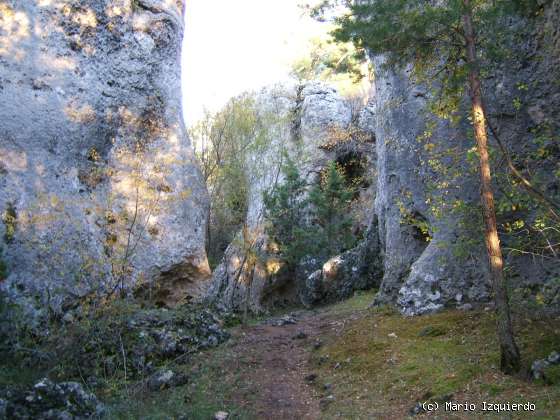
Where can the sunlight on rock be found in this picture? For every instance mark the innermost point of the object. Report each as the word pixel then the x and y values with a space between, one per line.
pixel 235 262
pixel 173 139
pixel 85 18
pixel 117 10
pixel 273 266
pixel 14 27
pixel 83 114
pixel 330 268
pixel 141 23
pixel 58 63
pixel 13 160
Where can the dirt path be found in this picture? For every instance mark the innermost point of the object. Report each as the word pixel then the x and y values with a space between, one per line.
pixel 276 364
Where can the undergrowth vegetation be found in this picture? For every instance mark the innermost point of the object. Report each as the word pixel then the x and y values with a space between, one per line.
pixel 380 365
pixel 114 350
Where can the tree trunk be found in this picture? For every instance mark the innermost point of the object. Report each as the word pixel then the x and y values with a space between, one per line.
pixel 510 360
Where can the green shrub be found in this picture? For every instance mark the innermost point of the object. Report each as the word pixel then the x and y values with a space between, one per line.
pixel 10 220
pixel 317 224
pixel 285 208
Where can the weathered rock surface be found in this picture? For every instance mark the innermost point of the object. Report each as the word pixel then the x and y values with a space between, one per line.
pixel 417 230
pixel 427 192
pixel 98 186
pixel 360 268
pixel 50 400
pixel 309 116
pixel 523 102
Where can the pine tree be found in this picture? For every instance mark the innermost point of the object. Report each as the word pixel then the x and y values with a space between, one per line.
pixel 440 39
pixel 315 224
pixel 285 208
pixel 330 200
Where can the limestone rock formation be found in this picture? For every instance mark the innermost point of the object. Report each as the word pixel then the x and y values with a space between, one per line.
pixel 99 188
pixel 427 200
pixel 251 275
pixel 417 231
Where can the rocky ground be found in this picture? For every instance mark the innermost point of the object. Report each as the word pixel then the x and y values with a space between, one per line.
pixel 339 361
pixel 347 361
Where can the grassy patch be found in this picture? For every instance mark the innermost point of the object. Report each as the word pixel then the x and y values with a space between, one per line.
pixel 210 389
pixel 383 363
pixel 360 301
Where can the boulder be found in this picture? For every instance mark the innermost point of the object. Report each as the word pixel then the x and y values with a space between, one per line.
pixel 51 400
pixel 99 187
pixel 166 379
pixel 357 269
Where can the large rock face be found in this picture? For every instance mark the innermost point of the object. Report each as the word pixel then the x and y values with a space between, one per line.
pixel 418 232
pixel 99 187
pixel 523 103
pixel 427 201
pixel 307 117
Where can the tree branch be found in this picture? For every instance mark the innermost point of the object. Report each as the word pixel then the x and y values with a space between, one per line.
pixel 552 206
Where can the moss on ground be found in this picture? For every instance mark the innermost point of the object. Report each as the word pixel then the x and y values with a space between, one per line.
pixel 384 363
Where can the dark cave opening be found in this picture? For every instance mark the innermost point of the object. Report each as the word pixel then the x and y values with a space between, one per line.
pixel 354 164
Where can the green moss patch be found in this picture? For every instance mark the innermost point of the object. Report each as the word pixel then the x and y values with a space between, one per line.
pixel 383 363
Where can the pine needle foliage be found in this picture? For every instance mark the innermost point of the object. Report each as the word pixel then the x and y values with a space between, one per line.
pixel 285 208
pixel 310 221
pixel 331 200
pixel 429 35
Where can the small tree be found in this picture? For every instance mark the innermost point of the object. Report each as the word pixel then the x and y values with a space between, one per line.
pixel 331 199
pixel 285 208
pixel 330 61
pixel 223 141
pixel 313 222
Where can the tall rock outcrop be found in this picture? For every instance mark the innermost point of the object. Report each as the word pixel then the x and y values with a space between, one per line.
pixel 427 201
pixel 99 189
pixel 308 117
pixel 418 231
